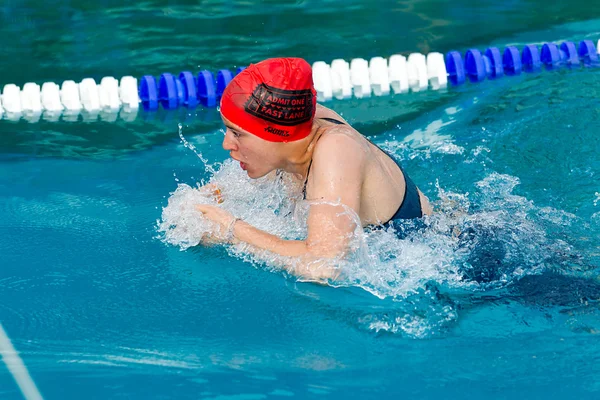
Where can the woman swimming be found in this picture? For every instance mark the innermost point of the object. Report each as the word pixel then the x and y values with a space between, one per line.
pixel 274 123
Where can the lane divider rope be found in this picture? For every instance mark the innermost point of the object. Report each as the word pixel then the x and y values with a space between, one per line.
pixel 339 79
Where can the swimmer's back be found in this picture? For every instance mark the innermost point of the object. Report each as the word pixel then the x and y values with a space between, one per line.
pixel 383 187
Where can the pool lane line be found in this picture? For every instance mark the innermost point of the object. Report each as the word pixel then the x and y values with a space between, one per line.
pixel 17 368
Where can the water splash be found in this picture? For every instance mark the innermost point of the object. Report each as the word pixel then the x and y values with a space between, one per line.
pixel 476 242
pixel 266 203
pixel 208 167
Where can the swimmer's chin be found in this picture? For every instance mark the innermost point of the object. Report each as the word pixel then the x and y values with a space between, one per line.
pixel 256 175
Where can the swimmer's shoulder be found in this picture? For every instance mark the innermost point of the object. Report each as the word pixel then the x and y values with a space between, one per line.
pixel 338 141
pixel 338 169
pixel 324 112
pixel 338 148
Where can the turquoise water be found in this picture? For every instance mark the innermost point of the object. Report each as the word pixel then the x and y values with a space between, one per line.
pixel 494 297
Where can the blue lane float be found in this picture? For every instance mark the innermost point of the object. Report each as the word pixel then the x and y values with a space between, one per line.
pixel 207 92
pixel 530 59
pixel 179 89
pixel 148 92
pixel 511 60
pixel 588 52
pixel 167 91
pixel 568 53
pixel 474 65
pixel 495 60
pixel 188 83
pixel 224 76
pixel 455 68
pixel 550 56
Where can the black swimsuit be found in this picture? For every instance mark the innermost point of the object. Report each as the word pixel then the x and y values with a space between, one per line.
pixel 410 207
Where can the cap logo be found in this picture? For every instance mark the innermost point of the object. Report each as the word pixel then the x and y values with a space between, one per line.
pixel 283 107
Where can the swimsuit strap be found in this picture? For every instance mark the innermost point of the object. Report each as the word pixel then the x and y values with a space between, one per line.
pixel 410 207
pixel 335 121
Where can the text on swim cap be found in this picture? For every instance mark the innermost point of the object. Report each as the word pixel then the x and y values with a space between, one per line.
pixel 283 107
pixel 275 131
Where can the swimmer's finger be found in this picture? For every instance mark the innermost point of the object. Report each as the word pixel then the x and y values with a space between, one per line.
pixel 213 190
pixel 218 196
pixel 210 188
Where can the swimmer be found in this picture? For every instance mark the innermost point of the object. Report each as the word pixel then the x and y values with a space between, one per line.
pixel 273 122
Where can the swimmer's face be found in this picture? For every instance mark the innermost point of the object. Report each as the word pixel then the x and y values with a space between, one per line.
pixel 257 157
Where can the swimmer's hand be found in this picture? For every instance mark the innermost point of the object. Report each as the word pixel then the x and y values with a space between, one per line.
pixel 223 220
pixel 312 264
pixel 212 190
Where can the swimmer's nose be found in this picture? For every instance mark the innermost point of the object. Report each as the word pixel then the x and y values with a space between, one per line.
pixel 229 143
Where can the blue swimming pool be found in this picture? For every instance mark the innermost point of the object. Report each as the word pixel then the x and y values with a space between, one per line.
pixel 105 295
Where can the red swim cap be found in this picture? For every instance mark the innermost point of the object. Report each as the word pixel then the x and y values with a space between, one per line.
pixel 274 99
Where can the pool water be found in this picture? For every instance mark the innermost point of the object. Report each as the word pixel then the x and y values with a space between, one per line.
pixel 105 294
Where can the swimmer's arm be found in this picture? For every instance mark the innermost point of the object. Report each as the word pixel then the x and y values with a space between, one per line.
pixel 244 232
pixel 296 250
pixel 331 222
pixel 330 229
